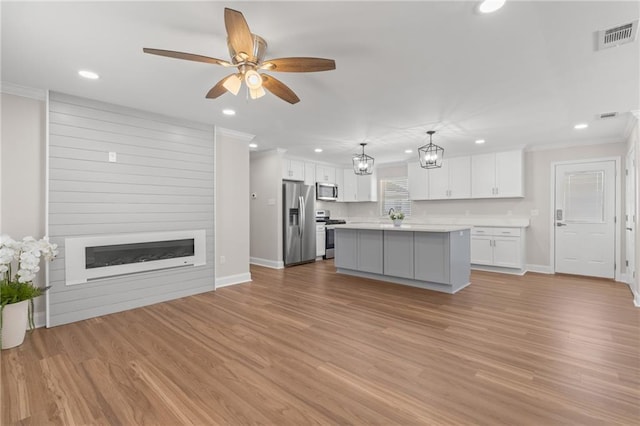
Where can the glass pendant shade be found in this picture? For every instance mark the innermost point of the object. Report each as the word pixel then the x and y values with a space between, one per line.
pixel 430 155
pixel 362 163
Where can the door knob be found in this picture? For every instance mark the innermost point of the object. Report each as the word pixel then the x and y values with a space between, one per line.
pixel 629 229
pixel 561 224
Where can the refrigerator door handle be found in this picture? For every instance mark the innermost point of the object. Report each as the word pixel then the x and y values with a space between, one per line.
pixel 302 219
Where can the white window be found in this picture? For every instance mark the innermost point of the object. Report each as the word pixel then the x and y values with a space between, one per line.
pixel 395 195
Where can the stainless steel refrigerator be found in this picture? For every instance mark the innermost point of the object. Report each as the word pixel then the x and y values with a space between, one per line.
pixel 299 225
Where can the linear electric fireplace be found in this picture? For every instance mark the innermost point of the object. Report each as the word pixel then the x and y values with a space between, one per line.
pixel 90 258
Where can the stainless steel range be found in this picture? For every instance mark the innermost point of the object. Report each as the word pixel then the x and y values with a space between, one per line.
pixel 323 217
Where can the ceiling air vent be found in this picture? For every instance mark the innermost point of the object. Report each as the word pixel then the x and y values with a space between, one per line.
pixel 618 35
pixel 608 115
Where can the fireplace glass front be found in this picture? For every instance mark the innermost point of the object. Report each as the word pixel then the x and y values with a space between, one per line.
pixel 123 254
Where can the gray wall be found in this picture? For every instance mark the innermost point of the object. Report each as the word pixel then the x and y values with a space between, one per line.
pixel 232 207
pixel 163 180
pixel 22 174
pixel 266 208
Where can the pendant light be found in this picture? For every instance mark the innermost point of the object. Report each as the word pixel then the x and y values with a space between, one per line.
pixel 362 163
pixel 431 154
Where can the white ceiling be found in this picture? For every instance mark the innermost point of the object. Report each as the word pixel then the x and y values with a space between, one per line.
pixel 520 77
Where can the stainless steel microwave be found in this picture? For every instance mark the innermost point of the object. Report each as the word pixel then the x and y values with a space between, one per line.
pixel 326 191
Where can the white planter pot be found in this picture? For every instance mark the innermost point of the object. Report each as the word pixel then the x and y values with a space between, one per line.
pixel 14 324
pixel 397 222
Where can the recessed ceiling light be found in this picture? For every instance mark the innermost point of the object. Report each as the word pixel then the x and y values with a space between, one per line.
pixel 408 151
pixel 228 112
pixel 88 74
pixel 253 145
pixel 581 126
pixel 489 6
pixel 318 150
pixel 480 141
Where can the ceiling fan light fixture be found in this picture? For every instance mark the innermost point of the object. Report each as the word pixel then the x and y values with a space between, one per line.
pixel 253 79
pixel 430 155
pixel 232 84
pixel 362 163
pixel 256 93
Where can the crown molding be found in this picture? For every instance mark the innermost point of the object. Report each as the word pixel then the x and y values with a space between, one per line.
pixel 571 144
pixel 24 91
pixel 246 137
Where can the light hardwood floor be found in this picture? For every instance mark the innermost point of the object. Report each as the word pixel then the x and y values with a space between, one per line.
pixel 306 346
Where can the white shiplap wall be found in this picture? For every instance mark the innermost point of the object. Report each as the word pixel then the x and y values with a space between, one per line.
pixel 163 180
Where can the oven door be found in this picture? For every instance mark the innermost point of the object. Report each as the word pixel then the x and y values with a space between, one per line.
pixel 329 242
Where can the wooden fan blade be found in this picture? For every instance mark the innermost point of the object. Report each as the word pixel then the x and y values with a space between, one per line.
pixel 187 56
pixel 299 64
pixel 238 31
pixel 279 89
pixel 218 89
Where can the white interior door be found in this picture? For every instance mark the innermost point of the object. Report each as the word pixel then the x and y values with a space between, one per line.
pixel 585 219
pixel 630 215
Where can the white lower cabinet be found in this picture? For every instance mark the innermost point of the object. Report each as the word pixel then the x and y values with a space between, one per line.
pixel 320 240
pixel 498 246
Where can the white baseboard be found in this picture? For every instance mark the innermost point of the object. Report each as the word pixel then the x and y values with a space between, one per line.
pixel 233 279
pixel 273 264
pixel 636 296
pixel 488 268
pixel 540 269
pixel 40 319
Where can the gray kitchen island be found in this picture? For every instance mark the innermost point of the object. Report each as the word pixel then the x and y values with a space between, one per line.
pixel 434 257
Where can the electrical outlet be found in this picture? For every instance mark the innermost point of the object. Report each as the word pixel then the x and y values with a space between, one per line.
pixel 223 259
pixel 113 157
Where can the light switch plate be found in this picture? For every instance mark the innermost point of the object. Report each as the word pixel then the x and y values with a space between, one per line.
pixel 113 157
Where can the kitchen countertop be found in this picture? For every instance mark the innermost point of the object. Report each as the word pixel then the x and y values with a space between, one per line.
pixel 403 227
pixel 468 221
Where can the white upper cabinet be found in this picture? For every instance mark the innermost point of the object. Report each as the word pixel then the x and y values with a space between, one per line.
pixel 418 181
pixel 359 188
pixel 497 175
pixel 340 184
pixel 510 174
pixel 452 180
pixel 350 192
pixel 325 174
pixel 309 174
pixel 367 187
pixel 292 169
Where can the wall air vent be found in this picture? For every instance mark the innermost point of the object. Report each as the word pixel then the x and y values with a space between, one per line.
pixel 618 35
pixel 608 115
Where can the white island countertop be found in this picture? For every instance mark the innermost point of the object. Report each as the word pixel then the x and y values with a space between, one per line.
pixel 403 227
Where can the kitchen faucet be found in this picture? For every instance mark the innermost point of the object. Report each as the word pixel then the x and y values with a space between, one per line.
pixel 391 210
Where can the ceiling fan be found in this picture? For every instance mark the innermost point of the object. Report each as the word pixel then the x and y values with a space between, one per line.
pixel 247 52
